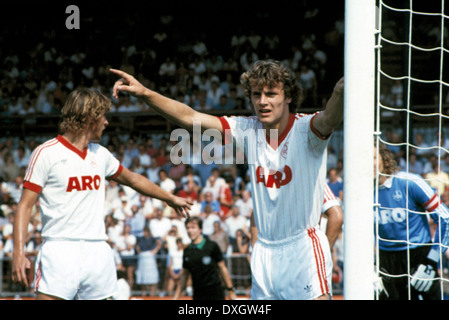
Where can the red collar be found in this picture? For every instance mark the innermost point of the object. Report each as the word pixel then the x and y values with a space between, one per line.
pixel 69 146
pixel 284 134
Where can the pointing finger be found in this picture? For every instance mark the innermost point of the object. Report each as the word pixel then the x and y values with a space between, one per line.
pixel 117 72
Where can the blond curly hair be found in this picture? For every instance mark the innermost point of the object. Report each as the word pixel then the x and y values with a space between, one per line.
pixel 83 105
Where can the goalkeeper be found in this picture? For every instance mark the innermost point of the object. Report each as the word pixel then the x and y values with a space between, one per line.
pixel 406 201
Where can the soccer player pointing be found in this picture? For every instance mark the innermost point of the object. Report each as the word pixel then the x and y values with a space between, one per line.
pixel 287 176
pixel 68 175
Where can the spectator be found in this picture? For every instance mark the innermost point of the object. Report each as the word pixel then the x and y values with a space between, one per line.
pixel 165 182
pixel 190 175
pixel 146 207
pixel 144 157
pixel 147 273
pixel 20 157
pixel 240 260
pixel 126 105
pixel 131 150
pixel 214 183
pixel 167 70
pixel 245 204
pixel 153 170
pixel 159 225
pixel 199 48
pixel 136 166
pixel 308 80
pixel 223 103
pixel 214 94
pixel 220 237
pixel 126 246
pixel 209 218
pixel 124 211
pixel 176 173
pixel 437 179
pixel 414 164
pixel 198 66
pixel 201 102
pixel 225 196
pixel 150 148
pixel 175 266
pixel 189 191
pixel 137 222
pixel 211 202
pixel 10 170
pixel 430 164
pixel 235 222
pixel 15 188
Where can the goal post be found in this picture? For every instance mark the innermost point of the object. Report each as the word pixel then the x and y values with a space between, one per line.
pixel 358 127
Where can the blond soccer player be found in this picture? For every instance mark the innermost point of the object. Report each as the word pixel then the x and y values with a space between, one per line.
pixel 67 174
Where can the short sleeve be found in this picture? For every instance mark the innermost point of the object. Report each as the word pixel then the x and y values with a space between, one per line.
pixel 37 170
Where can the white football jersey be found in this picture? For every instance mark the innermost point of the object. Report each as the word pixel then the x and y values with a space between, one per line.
pixel 71 187
pixel 288 181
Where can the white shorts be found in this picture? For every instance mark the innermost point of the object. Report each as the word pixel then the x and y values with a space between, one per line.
pixel 82 270
pixel 298 268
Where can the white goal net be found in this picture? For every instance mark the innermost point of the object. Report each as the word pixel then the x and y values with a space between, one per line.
pixel 412 92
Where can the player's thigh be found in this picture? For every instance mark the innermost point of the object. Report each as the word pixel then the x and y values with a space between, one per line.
pixel 58 266
pixel 298 270
pixel 303 269
pixel 98 275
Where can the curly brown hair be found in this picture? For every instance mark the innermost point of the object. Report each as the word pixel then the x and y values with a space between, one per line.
pixel 388 159
pixel 81 106
pixel 271 73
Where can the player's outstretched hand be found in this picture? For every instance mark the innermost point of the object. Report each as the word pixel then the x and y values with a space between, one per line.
pixel 181 206
pixel 127 84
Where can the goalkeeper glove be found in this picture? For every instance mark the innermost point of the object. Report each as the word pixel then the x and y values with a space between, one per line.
pixel 379 284
pixel 422 278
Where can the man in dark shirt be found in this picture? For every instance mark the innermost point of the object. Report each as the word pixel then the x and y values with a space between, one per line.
pixel 203 260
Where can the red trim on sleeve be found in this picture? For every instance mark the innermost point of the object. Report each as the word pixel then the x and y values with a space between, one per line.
pixel 432 204
pixel 227 134
pixel 315 131
pixel 31 186
pixel 119 170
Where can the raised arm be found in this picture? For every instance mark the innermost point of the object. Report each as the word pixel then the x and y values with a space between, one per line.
pixel 325 122
pixel 148 188
pixel 173 110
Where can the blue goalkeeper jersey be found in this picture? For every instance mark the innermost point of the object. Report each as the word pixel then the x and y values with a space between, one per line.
pixel 409 193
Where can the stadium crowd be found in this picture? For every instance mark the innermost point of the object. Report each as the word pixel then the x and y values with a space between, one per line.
pixel 197 67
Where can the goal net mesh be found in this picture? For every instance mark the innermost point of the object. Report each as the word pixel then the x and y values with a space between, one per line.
pixel 412 107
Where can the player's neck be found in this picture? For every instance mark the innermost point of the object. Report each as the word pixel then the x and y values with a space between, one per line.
pixel 198 239
pixel 280 126
pixel 79 141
